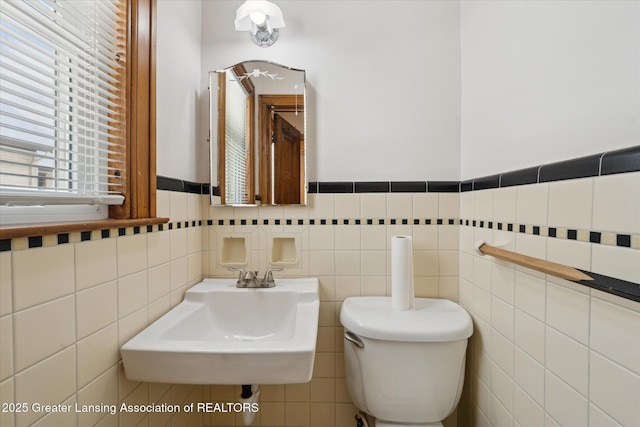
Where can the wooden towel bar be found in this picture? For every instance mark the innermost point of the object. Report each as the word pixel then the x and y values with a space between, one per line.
pixel 559 270
pixel 612 285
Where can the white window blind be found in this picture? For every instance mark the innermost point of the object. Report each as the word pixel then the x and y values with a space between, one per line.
pixel 62 114
pixel 236 144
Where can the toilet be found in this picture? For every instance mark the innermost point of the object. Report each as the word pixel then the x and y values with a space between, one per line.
pixel 405 367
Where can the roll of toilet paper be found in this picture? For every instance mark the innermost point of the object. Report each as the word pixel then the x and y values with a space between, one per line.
pixel 402 273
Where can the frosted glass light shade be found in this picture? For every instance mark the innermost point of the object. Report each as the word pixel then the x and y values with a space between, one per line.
pixel 272 14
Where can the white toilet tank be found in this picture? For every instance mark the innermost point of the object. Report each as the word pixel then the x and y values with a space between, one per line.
pixel 405 366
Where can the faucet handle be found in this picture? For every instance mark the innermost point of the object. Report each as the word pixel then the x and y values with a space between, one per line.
pixel 241 275
pixel 268 275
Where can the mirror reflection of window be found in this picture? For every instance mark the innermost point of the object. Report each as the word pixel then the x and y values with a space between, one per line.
pixel 237 147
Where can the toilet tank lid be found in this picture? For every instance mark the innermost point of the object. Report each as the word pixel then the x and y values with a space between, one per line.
pixel 432 320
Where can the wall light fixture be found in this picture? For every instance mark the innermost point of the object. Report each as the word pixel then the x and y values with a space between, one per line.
pixel 262 19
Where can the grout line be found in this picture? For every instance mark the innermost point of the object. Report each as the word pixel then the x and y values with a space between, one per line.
pixel 538 174
pixel 600 164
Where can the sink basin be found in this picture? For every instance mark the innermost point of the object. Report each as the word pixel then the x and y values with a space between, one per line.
pixel 221 334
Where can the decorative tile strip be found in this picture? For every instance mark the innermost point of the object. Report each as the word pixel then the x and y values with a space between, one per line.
pixel 336 221
pixel 588 236
pixel 32 242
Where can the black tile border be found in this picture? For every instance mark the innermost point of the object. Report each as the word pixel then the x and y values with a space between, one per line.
pixel 608 163
pixel 169 184
pixel 611 162
pixel 372 187
pixel 466 185
pixel 5 245
pixel 623 240
pixel 408 186
pixel 520 177
pixel 35 241
pixel 335 187
pixel 487 182
pixel 611 285
pixel 621 161
pixel 582 167
pixel 182 186
pixel 443 186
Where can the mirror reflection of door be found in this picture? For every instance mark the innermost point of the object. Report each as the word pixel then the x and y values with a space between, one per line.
pixel 285 146
pixel 282 152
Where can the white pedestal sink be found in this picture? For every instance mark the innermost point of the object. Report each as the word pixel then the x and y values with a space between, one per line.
pixel 221 334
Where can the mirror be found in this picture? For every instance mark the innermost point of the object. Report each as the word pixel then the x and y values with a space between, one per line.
pixel 257 134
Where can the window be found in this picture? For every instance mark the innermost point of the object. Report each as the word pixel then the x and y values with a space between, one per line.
pixel 77 113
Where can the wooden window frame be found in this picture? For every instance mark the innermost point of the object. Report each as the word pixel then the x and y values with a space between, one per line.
pixel 139 207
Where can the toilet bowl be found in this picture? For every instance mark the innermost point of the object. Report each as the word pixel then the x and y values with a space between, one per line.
pixel 405 367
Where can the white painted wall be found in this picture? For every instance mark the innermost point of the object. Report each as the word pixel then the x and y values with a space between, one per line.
pixel 182 151
pixel 534 81
pixel 383 82
pixel 544 81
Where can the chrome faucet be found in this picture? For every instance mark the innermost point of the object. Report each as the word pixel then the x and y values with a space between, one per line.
pixel 249 279
pixel 246 279
pixel 267 280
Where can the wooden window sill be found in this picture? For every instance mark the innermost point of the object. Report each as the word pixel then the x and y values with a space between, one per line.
pixel 28 230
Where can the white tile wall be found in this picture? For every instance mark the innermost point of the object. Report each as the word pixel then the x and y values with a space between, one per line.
pixel 618 262
pixel 569 354
pixel 613 191
pixel 612 325
pixel 66 309
pixel 568 360
pixel 529 375
pixel 43 330
pixel 52 279
pixel 564 404
pixel 569 252
pixel 614 389
pixel 543 350
pixel 526 412
pixel 96 263
pixel 96 308
pixel 349 259
pixel 504 204
pixel 6 347
pixel 570 203
pixel 532 204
